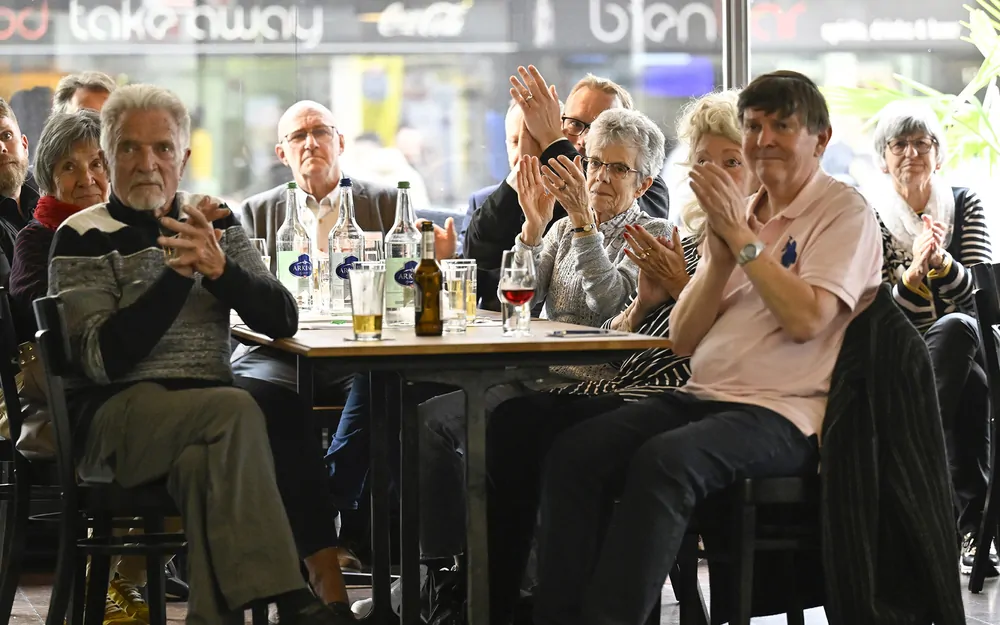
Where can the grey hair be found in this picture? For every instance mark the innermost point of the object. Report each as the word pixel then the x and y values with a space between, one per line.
pixel 631 128
pixel 142 98
pixel 62 132
pixel 69 85
pixel 902 118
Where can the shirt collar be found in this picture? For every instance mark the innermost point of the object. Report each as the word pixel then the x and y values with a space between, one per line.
pixel 803 202
pixel 133 217
pixel 27 201
pixel 303 196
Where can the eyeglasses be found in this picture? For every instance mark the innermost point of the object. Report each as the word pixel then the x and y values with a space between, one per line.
pixel 618 170
pixel 574 127
pixel 321 134
pixel 922 146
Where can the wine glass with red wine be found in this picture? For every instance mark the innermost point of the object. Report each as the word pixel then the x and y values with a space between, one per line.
pixel 517 286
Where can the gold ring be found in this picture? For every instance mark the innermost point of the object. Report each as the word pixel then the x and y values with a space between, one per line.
pixel 563 188
pixel 528 97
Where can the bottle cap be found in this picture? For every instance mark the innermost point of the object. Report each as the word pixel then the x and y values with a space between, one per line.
pixel 292 185
pixel 427 226
pixel 345 182
pixel 403 184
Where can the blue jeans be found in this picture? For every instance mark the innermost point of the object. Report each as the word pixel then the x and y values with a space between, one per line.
pixel 349 452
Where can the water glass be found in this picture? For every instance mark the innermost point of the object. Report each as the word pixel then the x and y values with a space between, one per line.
pixel 471 297
pixel 367 280
pixel 453 298
pixel 321 284
pixel 261 246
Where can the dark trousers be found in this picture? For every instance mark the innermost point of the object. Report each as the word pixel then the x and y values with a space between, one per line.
pixel 520 433
pixel 349 452
pixel 663 456
pixel 963 395
pixel 298 464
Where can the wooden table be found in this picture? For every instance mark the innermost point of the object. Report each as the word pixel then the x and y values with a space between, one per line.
pixel 475 361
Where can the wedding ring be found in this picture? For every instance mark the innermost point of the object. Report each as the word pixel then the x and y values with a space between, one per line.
pixel 528 97
pixel 644 252
pixel 563 188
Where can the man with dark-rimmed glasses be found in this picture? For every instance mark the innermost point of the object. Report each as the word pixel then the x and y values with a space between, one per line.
pixel 548 131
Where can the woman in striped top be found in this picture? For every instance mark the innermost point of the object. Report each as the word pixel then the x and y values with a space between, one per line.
pixel 521 430
pixel 931 234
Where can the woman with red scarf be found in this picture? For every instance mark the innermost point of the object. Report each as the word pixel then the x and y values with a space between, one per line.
pixel 72 175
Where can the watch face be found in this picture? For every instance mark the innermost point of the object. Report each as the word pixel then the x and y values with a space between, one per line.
pixel 750 251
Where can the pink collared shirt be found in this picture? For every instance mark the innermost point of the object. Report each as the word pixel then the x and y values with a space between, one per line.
pixel 830 238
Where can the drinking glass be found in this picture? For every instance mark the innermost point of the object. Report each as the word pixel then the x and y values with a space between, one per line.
pixel 453 298
pixel 374 247
pixel 321 284
pixel 367 280
pixel 517 287
pixel 261 246
pixel 471 298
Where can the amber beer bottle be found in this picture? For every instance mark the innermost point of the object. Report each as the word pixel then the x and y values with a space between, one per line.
pixel 427 280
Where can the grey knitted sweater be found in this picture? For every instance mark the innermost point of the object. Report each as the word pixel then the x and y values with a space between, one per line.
pixel 587 280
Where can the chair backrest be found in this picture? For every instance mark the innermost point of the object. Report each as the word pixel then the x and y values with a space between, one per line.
pixel 53 343
pixel 9 367
pixel 986 295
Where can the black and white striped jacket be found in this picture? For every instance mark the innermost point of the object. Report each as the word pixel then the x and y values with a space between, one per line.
pixel 651 371
pixel 946 291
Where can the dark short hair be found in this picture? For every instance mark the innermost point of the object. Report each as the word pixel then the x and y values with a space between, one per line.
pixel 787 93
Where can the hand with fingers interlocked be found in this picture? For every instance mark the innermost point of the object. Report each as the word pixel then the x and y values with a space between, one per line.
pixel 539 103
pixel 536 203
pixel 195 247
pixel 662 268
pixel 565 180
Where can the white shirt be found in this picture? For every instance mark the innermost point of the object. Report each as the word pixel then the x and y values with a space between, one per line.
pixel 319 216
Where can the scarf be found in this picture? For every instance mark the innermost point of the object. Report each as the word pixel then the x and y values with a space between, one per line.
pixel 50 212
pixel 903 223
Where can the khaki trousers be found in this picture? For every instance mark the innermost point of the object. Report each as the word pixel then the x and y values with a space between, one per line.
pixel 211 445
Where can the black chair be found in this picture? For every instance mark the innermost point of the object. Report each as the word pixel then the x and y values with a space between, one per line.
pixel 773 517
pixel 987 300
pixel 21 482
pixel 98 505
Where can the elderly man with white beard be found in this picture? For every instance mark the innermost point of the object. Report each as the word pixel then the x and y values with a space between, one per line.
pixel 18 194
pixel 147 283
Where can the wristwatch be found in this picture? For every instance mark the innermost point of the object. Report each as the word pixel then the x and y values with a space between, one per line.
pixel 749 252
pixel 587 228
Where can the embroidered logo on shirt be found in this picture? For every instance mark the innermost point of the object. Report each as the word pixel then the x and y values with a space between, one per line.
pixel 789 255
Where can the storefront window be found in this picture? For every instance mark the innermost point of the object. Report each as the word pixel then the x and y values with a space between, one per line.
pixel 855 43
pixel 418 87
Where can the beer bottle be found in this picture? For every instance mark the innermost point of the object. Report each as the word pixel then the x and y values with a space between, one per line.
pixel 427 281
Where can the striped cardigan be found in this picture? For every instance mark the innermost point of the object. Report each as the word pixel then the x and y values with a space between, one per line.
pixel 131 318
pixel 889 543
pixel 949 290
pixel 652 371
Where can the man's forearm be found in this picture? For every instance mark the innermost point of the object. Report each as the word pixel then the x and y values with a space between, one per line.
pixel 790 299
pixel 698 307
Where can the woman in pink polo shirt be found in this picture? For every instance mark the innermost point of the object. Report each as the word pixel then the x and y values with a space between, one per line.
pixel 931 234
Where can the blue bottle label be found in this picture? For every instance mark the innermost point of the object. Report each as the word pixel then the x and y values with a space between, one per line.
pixel 345 266
pixel 405 275
pixel 302 268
